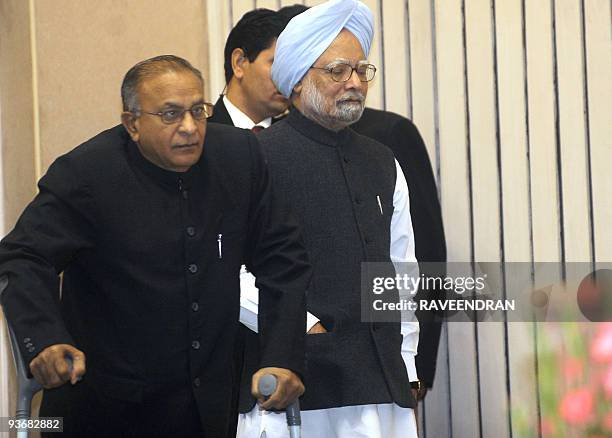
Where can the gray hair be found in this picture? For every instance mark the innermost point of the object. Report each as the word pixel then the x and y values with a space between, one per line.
pixel 147 69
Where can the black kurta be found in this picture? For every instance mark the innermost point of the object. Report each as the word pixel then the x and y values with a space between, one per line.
pixel 151 261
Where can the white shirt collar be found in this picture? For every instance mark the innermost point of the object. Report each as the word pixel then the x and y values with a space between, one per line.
pixel 240 119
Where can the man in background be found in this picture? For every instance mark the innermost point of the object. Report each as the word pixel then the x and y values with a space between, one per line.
pixel 251 99
pixel 403 138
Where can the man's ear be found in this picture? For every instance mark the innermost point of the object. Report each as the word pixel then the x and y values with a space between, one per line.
pixel 238 60
pixel 130 123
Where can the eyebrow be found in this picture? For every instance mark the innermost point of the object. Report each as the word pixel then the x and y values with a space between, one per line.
pixel 345 61
pixel 176 105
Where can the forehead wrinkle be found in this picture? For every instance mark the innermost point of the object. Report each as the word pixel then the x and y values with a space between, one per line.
pixel 162 91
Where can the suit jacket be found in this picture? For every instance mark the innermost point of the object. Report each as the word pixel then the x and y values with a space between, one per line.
pixel 151 261
pixel 220 114
pixel 403 138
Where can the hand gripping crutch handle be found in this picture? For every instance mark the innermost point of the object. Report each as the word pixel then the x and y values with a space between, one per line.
pixel 267 386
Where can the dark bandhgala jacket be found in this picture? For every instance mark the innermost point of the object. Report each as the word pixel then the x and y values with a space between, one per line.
pixel 151 260
pixel 332 181
pixel 403 138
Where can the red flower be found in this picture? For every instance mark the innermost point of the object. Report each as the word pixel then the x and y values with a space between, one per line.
pixel 601 348
pixel 577 407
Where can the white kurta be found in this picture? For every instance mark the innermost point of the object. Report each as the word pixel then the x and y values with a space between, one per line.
pixel 249 294
pixel 364 421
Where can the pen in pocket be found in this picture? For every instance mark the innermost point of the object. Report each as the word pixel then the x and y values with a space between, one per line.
pixel 219 245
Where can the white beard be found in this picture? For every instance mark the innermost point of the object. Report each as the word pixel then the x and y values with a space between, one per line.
pixel 339 116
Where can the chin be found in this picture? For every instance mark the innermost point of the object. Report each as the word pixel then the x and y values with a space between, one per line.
pixel 187 160
pixel 278 109
pixel 349 116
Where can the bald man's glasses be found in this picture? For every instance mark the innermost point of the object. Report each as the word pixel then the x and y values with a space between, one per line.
pixel 175 115
pixel 343 72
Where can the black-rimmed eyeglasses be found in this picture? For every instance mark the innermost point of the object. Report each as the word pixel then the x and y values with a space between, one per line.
pixel 200 112
pixel 343 72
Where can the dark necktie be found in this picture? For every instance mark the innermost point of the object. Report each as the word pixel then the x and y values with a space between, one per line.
pixel 257 129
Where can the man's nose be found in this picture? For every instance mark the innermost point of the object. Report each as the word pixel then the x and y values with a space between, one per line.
pixel 354 81
pixel 188 124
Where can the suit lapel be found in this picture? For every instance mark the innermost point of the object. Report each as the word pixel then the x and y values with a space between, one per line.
pixel 220 114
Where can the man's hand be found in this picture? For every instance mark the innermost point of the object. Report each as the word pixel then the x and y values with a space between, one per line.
pixel 51 369
pixel 317 328
pixel 421 393
pixel 289 387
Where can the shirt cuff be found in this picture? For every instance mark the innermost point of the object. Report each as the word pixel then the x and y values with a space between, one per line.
pixel 410 365
pixel 311 320
pixel 410 345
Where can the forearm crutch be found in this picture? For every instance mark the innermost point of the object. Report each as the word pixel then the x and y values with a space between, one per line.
pixel 26 387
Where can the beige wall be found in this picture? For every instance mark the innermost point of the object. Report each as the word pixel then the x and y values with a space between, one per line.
pixel 61 66
pixel 16 101
pixel 17 141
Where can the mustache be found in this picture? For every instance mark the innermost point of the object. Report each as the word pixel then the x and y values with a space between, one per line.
pixel 352 95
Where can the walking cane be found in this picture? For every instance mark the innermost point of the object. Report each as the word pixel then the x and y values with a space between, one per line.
pixel 26 387
pixel 266 387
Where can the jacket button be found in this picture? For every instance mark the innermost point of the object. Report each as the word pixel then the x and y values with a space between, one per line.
pixel 191 231
pixel 29 344
pixel 195 306
pixel 185 194
pixel 195 345
pixel 26 339
pixel 31 349
pixel 196 382
pixel 193 268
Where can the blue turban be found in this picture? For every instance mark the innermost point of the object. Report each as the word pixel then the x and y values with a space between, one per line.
pixel 310 33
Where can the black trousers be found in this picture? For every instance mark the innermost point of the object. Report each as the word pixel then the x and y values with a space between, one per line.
pixel 163 412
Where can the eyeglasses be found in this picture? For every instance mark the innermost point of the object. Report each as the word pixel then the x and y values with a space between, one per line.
pixel 200 111
pixel 343 72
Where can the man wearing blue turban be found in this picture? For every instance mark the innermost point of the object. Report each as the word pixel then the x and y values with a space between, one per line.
pixel 351 197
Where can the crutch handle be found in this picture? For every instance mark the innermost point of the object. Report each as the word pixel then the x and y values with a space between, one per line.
pixel 267 386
